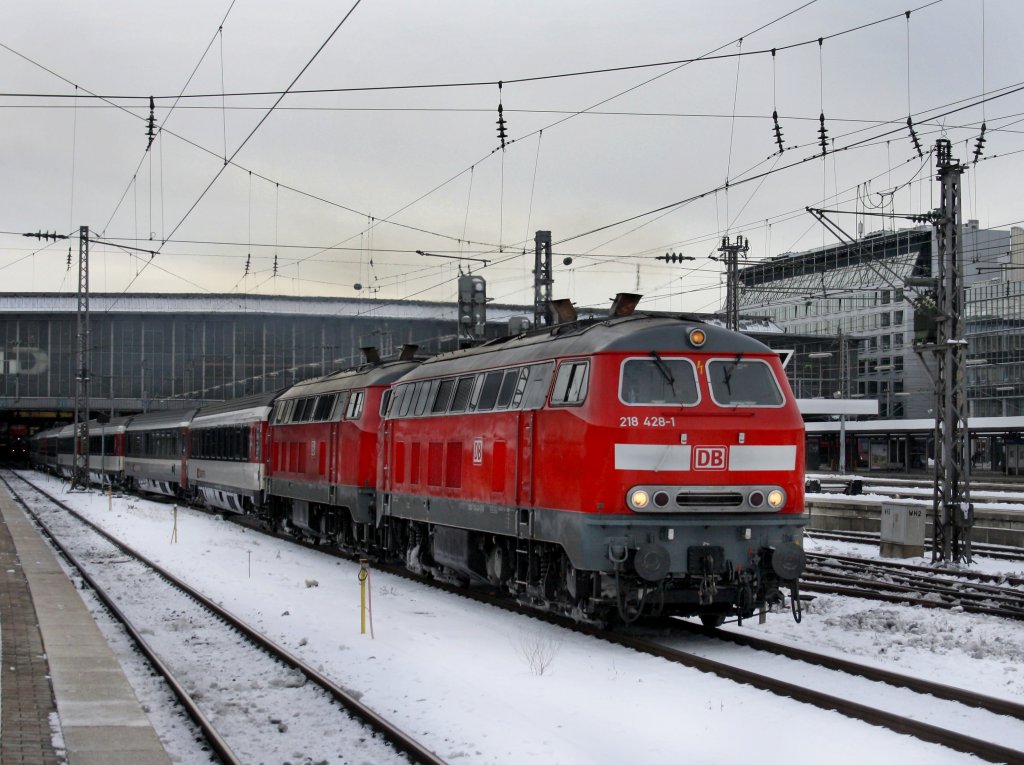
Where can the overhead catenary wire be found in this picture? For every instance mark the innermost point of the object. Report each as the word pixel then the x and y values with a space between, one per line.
pixel 500 243
pixel 705 58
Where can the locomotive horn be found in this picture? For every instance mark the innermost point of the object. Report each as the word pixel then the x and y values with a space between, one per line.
pixel 563 310
pixel 624 304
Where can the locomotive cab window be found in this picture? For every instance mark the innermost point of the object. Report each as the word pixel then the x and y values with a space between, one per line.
pixel 655 380
pixel 743 382
pixel 571 383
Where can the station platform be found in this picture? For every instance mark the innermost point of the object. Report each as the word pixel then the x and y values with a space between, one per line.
pixel 63 695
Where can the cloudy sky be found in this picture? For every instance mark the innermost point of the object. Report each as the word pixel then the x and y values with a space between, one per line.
pixel 341 187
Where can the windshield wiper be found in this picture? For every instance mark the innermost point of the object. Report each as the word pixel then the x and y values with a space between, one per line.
pixel 665 371
pixel 727 374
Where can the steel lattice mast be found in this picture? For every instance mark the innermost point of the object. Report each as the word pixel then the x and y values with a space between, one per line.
pixel 542 279
pixel 952 511
pixel 80 472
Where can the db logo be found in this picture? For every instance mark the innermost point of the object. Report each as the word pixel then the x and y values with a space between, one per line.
pixel 709 458
pixel 478 451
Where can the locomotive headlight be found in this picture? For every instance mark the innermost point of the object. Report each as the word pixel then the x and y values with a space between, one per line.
pixel 697 337
pixel 776 498
pixel 639 498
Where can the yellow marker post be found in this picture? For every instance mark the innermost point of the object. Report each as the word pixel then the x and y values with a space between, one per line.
pixel 363 574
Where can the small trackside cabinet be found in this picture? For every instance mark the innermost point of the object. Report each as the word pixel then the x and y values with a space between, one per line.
pixel 902 530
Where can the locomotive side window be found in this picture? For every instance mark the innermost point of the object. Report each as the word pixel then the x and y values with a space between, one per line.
pixel 355 405
pixel 339 406
pixel 743 382
pixel 463 391
pixel 422 397
pixel 385 402
pixel 489 391
pixel 324 405
pixel 571 383
pixel 282 411
pixel 508 388
pixel 408 396
pixel 303 410
pixel 656 380
pixel 444 394
pixel 535 391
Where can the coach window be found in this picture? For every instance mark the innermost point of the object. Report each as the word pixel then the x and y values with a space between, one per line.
pixel 743 382
pixel 444 395
pixel 570 383
pixel 657 380
pixel 463 391
pixel 489 391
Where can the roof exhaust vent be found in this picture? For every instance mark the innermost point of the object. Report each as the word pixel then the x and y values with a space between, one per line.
pixel 408 352
pixel 624 304
pixel 371 354
pixel 563 310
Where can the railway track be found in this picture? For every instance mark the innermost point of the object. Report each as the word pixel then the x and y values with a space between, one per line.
pixel 187 638
pixel 999 552
pixel 731 669
pixel 916 585
pixel 915 697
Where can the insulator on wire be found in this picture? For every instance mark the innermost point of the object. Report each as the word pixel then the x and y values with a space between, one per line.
pixel 913 137
pixel 275 264
pixel 822 134
pixel 674 257
pixel 778 131
pixel 979 144
pixel 69 258
pixel 248 262
pixel 502 135
pixel 151 124
pixel 46 236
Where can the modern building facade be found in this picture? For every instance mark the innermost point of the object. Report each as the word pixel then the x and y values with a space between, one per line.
pixel 858 293
pixel 166 351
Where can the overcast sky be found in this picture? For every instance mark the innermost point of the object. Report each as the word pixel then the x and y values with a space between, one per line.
pixel 332 182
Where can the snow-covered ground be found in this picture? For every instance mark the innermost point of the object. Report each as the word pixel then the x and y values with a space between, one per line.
pixel 480 685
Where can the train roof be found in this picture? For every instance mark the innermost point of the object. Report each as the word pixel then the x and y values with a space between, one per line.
pixel 639 333
pixel 377 373
pixel 173 418
pixel 237 410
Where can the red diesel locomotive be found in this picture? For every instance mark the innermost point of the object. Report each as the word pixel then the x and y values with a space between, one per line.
pixel 322 466
pixel 612 468
pixel 606 469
